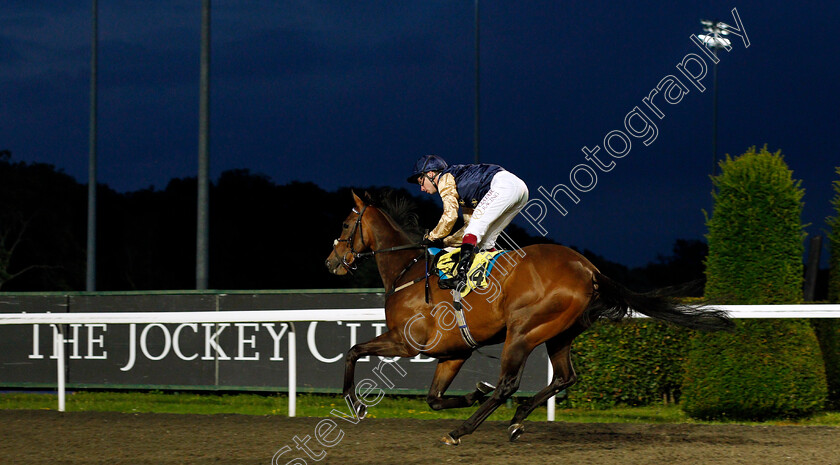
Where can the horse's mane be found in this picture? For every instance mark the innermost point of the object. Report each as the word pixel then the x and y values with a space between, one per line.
pixel 400 209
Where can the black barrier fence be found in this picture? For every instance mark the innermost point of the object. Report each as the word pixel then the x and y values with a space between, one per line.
pixel 217 356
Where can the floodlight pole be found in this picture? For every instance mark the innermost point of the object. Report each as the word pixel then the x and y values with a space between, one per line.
pixel 477 129
pixel 714 113
pixel 90 278
pixel 202 235
pixel 716 42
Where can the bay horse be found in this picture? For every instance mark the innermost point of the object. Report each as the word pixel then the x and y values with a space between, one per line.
pixel 549 295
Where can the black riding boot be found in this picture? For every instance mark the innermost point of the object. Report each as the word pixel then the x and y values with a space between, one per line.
pixel 464 264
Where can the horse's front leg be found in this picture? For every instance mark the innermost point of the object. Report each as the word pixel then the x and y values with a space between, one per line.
pixel 388 344
pixel 444 374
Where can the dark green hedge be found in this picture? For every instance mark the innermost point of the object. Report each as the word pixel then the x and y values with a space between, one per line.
pixel 834 245
pixel 755 233
pixel 828 330
pixel 636 362
pixel 828 335
pixel 767 368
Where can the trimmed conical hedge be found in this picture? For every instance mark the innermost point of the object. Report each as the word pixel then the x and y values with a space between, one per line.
pixel 828 330
pixel 766 368
pixel 834 244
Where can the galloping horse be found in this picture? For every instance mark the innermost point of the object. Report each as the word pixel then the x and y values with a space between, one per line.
pixel 549 295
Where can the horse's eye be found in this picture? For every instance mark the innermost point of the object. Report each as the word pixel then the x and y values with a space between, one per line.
pixel 345 226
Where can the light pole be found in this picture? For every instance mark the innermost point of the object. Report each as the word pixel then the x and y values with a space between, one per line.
pixel 477 116
pixel 90 275
pixel 716 29
pixel 202 235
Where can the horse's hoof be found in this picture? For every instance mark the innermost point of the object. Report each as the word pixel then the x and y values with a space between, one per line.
pixel 484 387
pixel 515 430
pixel 450 441
pixel 361 410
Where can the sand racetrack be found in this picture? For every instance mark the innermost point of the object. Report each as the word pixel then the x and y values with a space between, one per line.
pixel 39 437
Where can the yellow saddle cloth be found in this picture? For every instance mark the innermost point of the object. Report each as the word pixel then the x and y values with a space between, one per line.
pixel 447 267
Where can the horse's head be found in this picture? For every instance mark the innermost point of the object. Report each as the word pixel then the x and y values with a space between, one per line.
pixel 351 242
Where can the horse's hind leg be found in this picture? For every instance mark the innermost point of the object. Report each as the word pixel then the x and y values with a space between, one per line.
pixel 560 353
pixel 388 344
pixel 444 374
pixel 515 353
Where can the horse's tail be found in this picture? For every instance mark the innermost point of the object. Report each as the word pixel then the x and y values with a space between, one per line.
pixel 613 301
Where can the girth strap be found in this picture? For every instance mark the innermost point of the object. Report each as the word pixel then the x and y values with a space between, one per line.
pixel 462 322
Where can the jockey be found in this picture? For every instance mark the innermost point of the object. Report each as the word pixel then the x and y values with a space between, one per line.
pixel 489 197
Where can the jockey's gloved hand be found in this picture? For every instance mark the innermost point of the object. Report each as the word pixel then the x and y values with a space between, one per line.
pixel 437 243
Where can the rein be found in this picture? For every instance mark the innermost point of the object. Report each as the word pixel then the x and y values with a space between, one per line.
pixel 390 249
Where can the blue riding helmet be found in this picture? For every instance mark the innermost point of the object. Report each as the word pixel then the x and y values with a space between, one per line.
pixel 424 164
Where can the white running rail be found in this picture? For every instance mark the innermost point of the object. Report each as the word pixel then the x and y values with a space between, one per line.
pixel 358 314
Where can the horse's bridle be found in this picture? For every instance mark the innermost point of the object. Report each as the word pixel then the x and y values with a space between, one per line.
pixel 350 267
pixel 355 255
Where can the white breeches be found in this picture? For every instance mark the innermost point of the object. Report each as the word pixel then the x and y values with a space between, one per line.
pixel 507 196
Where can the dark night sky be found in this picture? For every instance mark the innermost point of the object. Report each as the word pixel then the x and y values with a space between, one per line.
pixel 351 93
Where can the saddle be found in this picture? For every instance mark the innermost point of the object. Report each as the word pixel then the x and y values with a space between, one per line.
pixel 445 264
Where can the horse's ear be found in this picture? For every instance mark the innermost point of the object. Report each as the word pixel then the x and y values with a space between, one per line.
pixel 359 202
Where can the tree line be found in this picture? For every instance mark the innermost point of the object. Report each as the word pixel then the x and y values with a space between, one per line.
pixel 263 235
